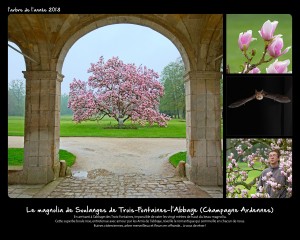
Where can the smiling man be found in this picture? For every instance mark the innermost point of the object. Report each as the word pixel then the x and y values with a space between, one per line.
pixel 272 181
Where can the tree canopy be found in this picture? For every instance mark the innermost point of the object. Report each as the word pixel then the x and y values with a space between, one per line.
pixel 118 90
pixel 173 102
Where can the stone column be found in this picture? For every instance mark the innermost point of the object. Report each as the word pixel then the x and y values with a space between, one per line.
pixel 42 123
pixel 204 163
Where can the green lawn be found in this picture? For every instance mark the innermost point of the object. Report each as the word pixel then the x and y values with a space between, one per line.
pixel 176 129
pixel 177 157
pixel 237 23
pixel 16 157
pixel 181 156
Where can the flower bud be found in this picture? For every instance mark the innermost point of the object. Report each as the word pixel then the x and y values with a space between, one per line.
pixel 245 39
pixel 268 29
pixel 275 47
pixel 255 70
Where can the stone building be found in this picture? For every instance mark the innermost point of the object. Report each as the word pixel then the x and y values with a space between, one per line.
pixel 47 38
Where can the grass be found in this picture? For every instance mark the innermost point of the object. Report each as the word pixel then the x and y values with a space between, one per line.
pixel 176 129
pixel 177 157
pixel 16 157
pixel 181 156
pixel 237 23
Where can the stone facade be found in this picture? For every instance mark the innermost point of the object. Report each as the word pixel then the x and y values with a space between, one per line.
pixel 48 38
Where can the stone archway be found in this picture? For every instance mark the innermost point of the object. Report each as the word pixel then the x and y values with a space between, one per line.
pixel 47 39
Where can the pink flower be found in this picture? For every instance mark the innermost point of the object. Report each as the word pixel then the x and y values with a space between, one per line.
pixel 278 67
pixel 276 46
pixel 244 193
pixel 269 174
pixel 268 29
pixel 254 196
pixel 245 39
pixel 255 70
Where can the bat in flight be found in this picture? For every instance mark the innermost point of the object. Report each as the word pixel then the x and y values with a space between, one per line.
pixel 260 95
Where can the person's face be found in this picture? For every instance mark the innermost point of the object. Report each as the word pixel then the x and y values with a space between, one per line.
pixel 273 158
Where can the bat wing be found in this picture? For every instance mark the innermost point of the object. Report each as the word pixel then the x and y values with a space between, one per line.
pixel 277 97
pixel 241 102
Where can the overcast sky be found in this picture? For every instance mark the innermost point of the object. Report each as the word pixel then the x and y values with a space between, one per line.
pixel 131 43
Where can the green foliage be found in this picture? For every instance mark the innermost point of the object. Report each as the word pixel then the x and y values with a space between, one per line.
pixel 176 129
pixel 251 174
pixel 177 157
pixel 16 98
pixel 173 102
pixel 64 110
pixel 237 23
pixel 16 157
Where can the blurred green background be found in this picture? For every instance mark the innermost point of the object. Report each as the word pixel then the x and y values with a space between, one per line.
pixel 237 23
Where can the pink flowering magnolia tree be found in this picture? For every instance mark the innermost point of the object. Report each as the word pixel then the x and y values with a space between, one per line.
pixel 118 90
pixel 247 158
pixel 273 48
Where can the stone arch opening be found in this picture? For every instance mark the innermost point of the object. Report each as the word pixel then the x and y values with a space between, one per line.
pixel 198 38
pixel 121 20
pixel 90 45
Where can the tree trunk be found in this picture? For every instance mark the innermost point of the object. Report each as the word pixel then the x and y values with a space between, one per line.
pixel 120 122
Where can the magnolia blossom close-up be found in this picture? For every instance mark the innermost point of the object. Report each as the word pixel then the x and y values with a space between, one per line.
pixel 268 29
pixel 245 39
pixel 272 48
pixel 275 47
pixel 278 67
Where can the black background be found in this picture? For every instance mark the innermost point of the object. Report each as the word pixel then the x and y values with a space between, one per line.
pixel 265 118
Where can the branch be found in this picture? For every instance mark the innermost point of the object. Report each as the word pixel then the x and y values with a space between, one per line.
pixel 126 118
pixel 261 61
pixel 248 186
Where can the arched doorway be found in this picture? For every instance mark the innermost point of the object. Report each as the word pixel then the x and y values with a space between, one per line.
pixel 198 38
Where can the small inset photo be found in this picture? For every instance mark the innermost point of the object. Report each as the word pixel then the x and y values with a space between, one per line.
pixel 259 43
pixel 259 105
pixel 259 168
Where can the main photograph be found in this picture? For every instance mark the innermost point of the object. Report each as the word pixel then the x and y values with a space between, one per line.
pixel 115 106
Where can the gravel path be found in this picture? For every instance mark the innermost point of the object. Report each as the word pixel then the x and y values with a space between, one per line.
pixel 117 168
pixel 119 155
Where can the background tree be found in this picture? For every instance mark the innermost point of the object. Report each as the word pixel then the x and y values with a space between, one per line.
pixel 64 110
pixel 16 98
pixel 118 90
pixel 173 102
